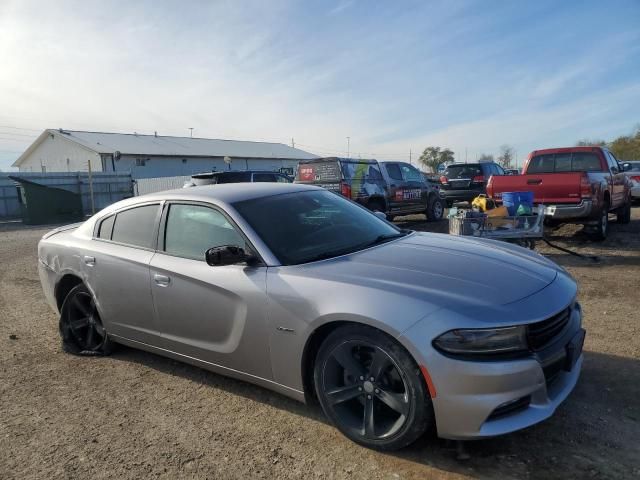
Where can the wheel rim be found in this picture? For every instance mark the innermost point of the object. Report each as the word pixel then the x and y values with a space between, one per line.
pixel 365 390
pixel 82 323
pixel 438 209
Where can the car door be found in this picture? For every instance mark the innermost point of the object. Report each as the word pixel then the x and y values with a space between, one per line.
pixel 617 180
pixel 414 194
pixel 118 271
pixel 395 186
pixel 215 314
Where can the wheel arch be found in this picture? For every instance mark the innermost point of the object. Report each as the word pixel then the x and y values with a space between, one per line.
pixel 319 335
pixel 67 282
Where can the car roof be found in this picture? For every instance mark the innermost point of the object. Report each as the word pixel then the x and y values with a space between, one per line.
pixel 567 150
pixel 226 172
pixel 225 193
pixel 339 159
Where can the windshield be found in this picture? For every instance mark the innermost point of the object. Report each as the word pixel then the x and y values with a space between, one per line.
pixel 307 226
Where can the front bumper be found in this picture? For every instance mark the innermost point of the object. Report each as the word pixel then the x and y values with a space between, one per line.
pixel 472 397
pixel 561 211
pixel 48 279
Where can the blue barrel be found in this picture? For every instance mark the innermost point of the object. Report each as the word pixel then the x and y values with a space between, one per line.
pixel 512 200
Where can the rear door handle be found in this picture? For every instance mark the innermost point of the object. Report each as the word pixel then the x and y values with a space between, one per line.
pixel 161 280
pixel 91 261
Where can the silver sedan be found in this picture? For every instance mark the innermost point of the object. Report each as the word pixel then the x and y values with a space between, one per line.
pixel 301 291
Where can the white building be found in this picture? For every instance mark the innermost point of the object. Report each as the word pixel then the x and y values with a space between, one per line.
pixel 147 156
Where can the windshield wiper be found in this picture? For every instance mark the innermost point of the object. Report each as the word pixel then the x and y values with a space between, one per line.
pixel 388 236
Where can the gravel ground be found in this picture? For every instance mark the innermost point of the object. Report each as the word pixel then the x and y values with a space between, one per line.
pixel 136 415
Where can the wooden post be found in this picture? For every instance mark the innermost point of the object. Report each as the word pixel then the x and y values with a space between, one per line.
pixel 93 208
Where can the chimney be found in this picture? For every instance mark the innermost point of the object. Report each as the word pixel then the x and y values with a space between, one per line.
pixel 155 134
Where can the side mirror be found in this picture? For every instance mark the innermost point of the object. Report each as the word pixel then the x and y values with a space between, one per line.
pixel 225 255
pixel 626 167
pixel 380 215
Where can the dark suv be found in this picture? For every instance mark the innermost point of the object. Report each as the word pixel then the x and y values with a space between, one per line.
pixel 236 176
pixel 394 188
pixel 462 182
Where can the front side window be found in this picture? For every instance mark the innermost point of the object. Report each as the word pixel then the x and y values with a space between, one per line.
pixel 283 179
pixel 410 173
pixel 313 225
pixel 136 226
pixel 193 229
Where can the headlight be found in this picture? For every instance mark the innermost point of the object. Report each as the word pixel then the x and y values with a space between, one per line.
pixel 483 340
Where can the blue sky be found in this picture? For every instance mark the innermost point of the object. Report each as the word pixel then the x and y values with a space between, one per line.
pixel 392 76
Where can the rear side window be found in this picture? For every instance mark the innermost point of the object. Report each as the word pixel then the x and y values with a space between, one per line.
pixel 106 227
pixel 394 171
pixel 136 226
pixel 565 162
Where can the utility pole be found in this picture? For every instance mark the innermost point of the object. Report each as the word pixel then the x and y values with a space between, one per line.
pixel 465 154
pixel 191 132
pixel 293 143
pixel 93 207
pixel 410 157
pixel 348 146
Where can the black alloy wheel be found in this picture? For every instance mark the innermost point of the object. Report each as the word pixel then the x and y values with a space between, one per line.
pixel 81 329
pixel 371 389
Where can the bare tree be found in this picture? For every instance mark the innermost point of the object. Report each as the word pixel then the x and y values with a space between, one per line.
pixel 506 156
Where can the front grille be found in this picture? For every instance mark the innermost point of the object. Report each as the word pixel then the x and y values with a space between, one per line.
pixel 540 334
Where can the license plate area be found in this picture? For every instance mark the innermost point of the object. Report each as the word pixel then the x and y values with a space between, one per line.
pixel 573 349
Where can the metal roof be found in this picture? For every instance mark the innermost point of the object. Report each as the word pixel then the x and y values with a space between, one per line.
pixel 152 145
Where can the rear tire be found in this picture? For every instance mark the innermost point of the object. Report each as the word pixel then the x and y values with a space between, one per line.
pixel 435 208
pixel 602 228
pixel 386 413
pixel 81 329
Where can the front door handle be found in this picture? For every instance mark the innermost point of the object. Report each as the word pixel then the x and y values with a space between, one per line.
pixel 161 280
pixel 91 261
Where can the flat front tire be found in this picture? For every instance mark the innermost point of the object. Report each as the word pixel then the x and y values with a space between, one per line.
pixel 371 389
pixel 624 214
pixel 81 329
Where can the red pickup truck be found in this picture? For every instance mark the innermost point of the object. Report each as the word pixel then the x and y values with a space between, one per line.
pixel 576 185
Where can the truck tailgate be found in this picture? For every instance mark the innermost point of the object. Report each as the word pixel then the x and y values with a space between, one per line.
pixel 547 188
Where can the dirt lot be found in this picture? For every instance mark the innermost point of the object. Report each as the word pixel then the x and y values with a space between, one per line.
pixel 136 415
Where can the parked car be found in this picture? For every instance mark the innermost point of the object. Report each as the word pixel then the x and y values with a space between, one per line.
pixel 236 176
pixel 301 291
pixel 632 170
pixel 576 185
pixel 394 188
pixel 462 182
pixel 511 171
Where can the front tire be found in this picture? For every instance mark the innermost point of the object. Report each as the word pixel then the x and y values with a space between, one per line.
pixel 371 389
pixel 81 328
pixel 624 214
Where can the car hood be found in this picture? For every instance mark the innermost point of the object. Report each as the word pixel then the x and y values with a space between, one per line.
pixel 437 267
